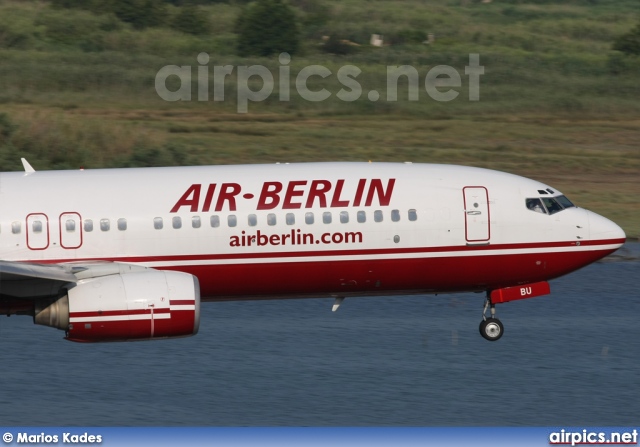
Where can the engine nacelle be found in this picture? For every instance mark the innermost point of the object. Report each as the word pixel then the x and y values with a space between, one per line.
pixel 123 307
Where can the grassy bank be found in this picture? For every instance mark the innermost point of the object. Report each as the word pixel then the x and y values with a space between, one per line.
pixel 556 104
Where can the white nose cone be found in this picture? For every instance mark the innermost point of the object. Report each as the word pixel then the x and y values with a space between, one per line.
pixel 601 228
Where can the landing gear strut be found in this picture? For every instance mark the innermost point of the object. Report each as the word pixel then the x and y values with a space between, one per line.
pixel 490 327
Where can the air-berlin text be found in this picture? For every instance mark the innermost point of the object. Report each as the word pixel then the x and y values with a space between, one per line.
pixel 294 194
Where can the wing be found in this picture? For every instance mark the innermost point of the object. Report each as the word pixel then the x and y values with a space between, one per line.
pixel 29 281
pixel 21 280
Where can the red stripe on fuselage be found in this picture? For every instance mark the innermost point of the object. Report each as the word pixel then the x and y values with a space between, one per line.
pixel 321 277
pixel 384 276
pixel 355 252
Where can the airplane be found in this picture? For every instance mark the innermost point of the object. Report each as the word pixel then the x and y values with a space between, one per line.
pixel 129 254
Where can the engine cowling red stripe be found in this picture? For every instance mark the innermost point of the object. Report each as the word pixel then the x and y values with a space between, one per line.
pixel 112 313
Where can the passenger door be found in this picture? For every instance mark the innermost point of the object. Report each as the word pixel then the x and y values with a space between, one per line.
pixel 476 214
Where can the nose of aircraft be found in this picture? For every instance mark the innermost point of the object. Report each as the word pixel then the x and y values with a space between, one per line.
pixel 601 228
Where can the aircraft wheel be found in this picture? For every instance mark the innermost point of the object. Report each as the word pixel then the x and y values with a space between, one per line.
pixel 491 329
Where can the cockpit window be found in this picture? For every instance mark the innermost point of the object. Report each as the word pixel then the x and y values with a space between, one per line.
pixel 536 205
pixel 548 205
pixel 566 203
pixel 552 205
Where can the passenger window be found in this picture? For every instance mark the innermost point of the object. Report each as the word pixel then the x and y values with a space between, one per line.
pixel 535 205
pixel 377 216
pixel 196 222
pixel 122 224
pixel 176 222
pixel 16 227
pixel 88 225
pixel 37 226
pixel 70 225
pixel 413 215
pixel 253 220
pixel 395 215
pixel 344 216
pixel 361 216
pixel 105 224
pixel 271 219
pixel 326 217
pixel 214 221
pixel 232 220
pixel 308 218
pixel 290 218
pixel 158 223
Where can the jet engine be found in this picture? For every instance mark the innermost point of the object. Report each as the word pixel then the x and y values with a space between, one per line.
pixel 139 305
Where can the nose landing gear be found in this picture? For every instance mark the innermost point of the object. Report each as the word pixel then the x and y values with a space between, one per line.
pixel 490 327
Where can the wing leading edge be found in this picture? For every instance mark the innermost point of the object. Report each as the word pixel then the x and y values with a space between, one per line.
pixel 30 281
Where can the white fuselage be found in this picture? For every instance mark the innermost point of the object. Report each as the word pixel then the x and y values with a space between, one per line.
pixel 304 229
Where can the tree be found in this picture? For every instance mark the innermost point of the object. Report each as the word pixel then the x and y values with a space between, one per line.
pixel 629 43
pixel 267 27
pixel 140 13
pixel 191 20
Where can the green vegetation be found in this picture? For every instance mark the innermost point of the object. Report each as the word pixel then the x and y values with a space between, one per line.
pixel 629 43
pixel 139 13
pixel 267 27
pixel 559 99
pixel 190 20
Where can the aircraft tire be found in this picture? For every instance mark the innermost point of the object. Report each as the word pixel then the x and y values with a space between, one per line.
pixel 491 329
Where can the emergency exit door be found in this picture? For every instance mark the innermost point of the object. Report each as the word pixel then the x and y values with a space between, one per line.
pixel 70 230
pixel 37 231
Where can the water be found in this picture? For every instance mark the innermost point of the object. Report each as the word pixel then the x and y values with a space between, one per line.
pixel 572 358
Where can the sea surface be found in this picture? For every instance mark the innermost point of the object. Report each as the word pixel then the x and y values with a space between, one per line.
pixel 571 358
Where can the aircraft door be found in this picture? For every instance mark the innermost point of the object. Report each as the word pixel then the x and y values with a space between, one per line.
pixel 37 231
pixel 476 214
pixel 70 230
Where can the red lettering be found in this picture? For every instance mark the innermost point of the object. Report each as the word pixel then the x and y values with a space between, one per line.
pixel 190 198
pixel 291 193
pixel 208 197
pixel 274 239
pixel 318 189
pixel 228 193
pixel 270 191
pixel 384 197
pixel 263 239
pixel 359 192
pixel 335 200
